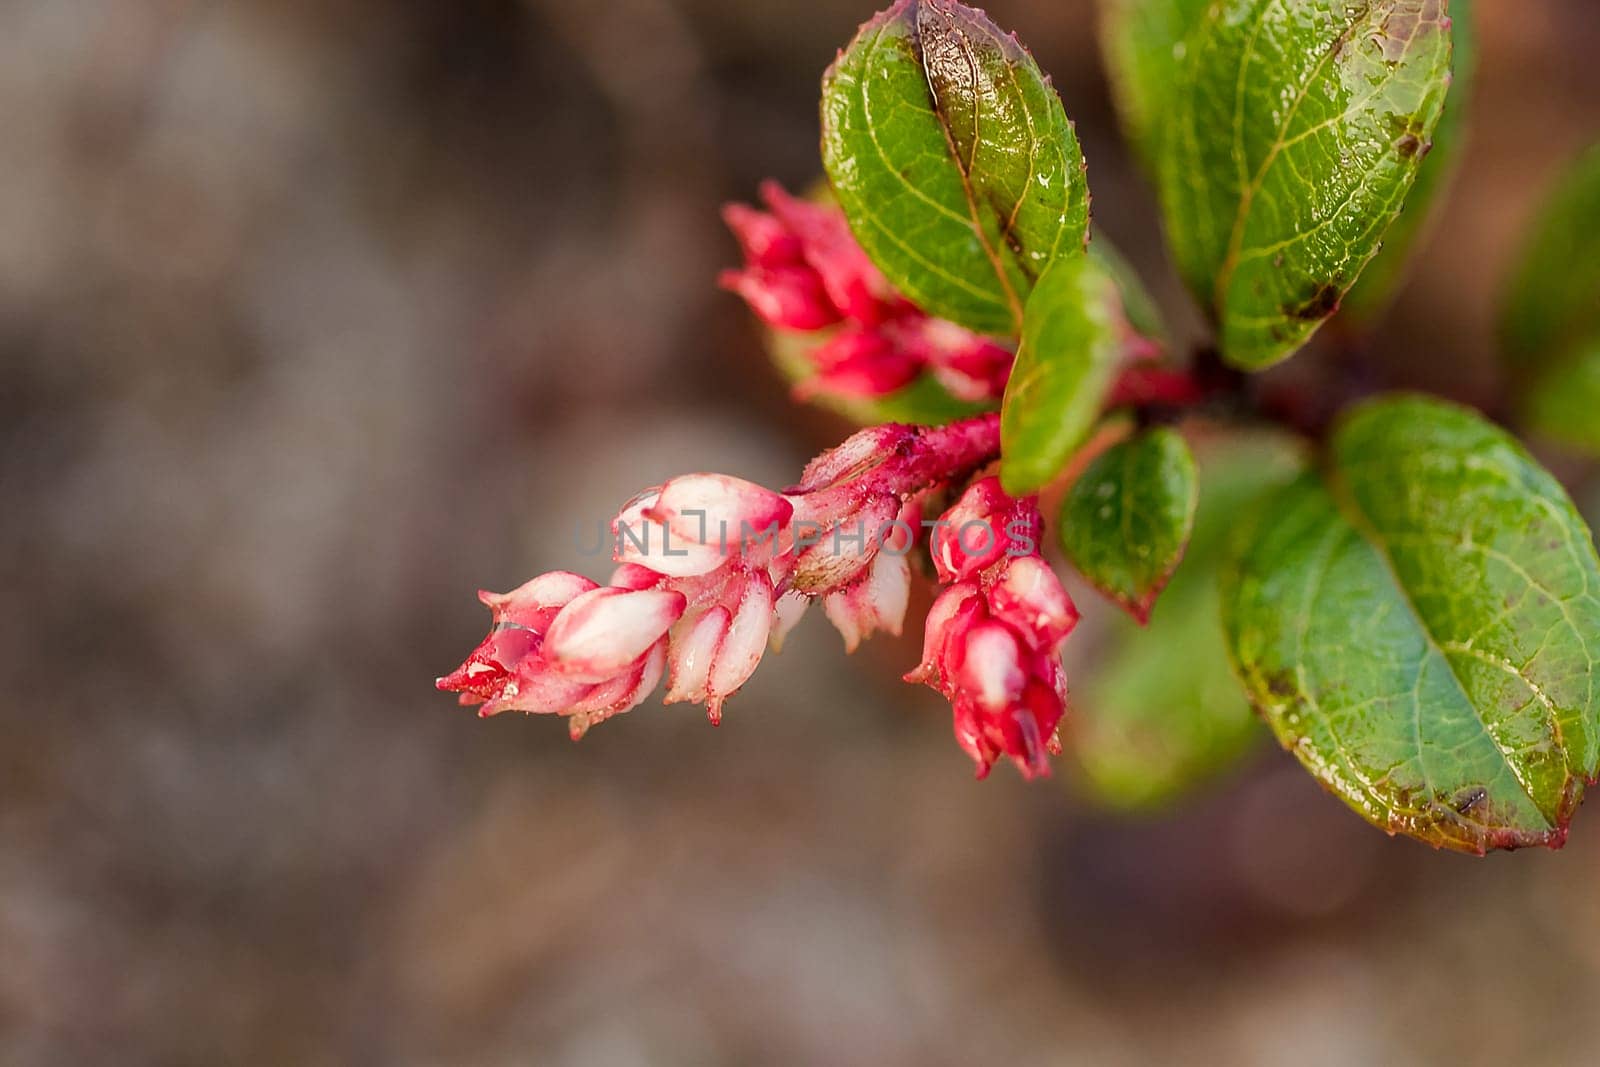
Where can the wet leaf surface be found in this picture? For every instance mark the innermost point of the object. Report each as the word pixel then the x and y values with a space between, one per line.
pixel 1161 712
pixel 1071 342
pixel 1382 278
pixel 1293 134
pixel 1421 628
pixel 1125 523
pixel 954 161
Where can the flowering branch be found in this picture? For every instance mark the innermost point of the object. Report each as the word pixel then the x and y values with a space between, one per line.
pixel 713 569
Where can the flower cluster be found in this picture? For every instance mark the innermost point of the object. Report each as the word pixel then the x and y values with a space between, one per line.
pixel 713 570
pixel 805 272
pixel 993 639
pixel 561 643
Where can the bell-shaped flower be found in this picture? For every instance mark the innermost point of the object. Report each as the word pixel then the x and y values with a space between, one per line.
pixel 1029 596
pixel 859 363
pixel 560 644
pixel 804 246
pixel 951 616
pixel 713 570
pixel 970 366
pixel 834 549
pixel 716 652
pixel 876 601
pixel 804 271
pixel 992 643
pixel 786 615
pixel 972 535
pixel 694 524
pixel 606 632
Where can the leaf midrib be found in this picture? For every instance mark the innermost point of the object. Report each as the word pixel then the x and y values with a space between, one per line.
pixel 1350 508
pixel 1247 195
pixel 1013 302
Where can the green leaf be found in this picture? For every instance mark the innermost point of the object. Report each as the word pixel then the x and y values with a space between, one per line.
pixel 1161 713
pixel 1143 42
pixel 1140 308
pixel 1564 401
pixel 1293 134
pixel 1126 520
pixel 954 161
pixel 1071 341
pixel 1551 325
pixel 924 402
pixel 1421 629
pixel 1383 276
pixel 1554 303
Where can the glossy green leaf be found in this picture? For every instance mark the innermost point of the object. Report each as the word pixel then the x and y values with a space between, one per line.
pixel 1143 42
pixel 1295 131
pixel 1554 303
pixel 1071 340
pixel 954 161
pixel 1422 628
pixel 1563 403
pixel 1383 277
pixel 1158 711
pixel 1125 523
pixel 924 402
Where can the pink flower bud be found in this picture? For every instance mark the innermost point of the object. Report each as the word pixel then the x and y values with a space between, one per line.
pixel 972 535
pixel 765 241
pixel 971 367
pixel 786 615
pixel 506 673
pixel 1032 599
pixel 743 647
pixel 992 643
pixel 854 457
pixel 831 554
pixel 693 649
pixel 604 632
pixel 635 576
pixel 948 620
pixel 715 654
pixel 698 504
pixel 694 524
pixel 534 603
pixel 859 363
pixel 790 298
pixel 623 693
pixel 854 285
pixel 876 602
pixel 1021 731
pixel 988 666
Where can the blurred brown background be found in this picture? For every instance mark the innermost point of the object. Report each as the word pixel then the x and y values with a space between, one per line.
pixel 317 315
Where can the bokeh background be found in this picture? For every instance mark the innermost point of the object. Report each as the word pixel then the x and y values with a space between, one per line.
pixel 318 315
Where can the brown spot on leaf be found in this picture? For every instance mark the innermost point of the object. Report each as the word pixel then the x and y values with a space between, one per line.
pixel 1281 685
pixel 1408 20
pixel 1322 303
